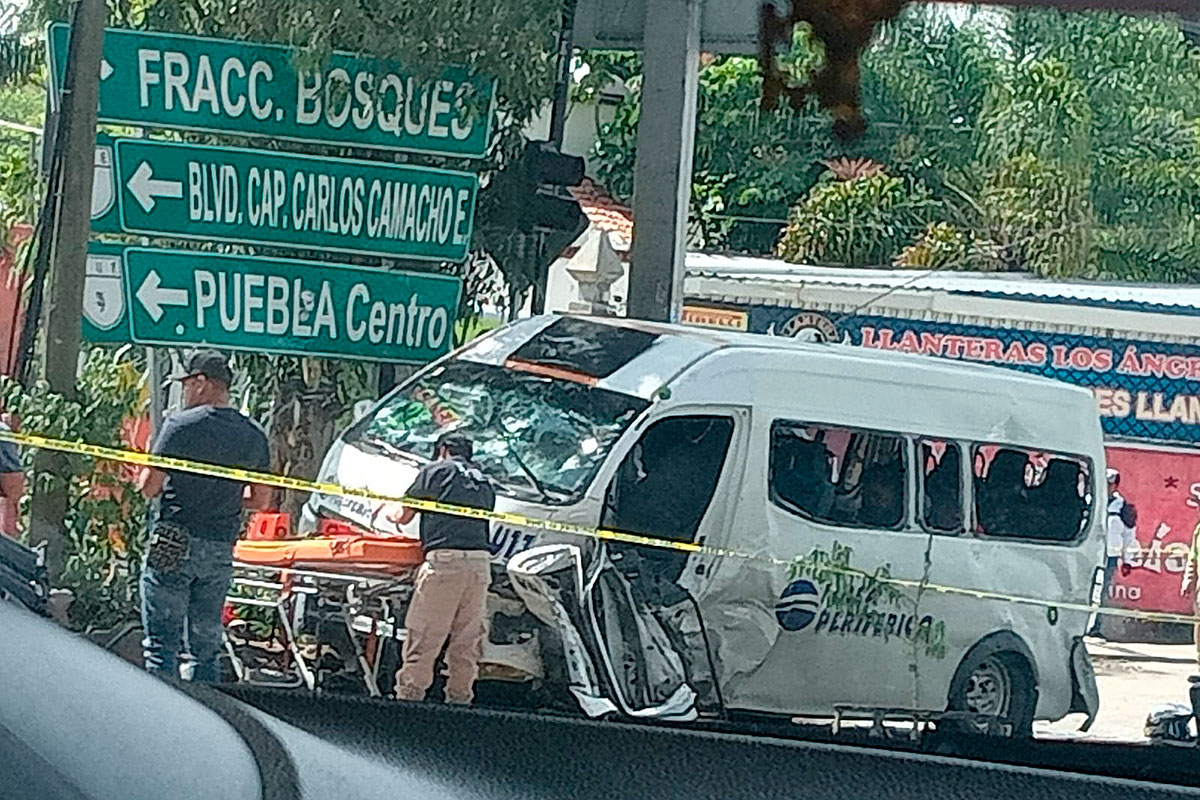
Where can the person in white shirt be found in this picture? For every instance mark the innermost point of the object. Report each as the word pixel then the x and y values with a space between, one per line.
pixel 1122 540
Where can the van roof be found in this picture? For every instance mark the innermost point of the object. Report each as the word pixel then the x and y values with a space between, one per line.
pixel 789 378
pixel 719 339
pixel 685 345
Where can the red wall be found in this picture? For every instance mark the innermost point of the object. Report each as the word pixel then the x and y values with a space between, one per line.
pixel 12 312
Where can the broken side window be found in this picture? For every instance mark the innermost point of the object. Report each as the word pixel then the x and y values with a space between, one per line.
pixel 839 476
pixel 664 486
pixel 941 486
pixel 1021 493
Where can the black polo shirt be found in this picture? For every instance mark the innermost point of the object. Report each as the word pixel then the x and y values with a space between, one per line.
pixel 456 482
pixel 210 508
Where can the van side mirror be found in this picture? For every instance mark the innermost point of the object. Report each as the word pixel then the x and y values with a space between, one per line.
pixel 361 408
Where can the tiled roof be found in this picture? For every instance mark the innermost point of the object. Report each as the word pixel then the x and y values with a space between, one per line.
pixel 606 213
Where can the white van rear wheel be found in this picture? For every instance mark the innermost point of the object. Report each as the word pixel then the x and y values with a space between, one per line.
pixel 996 684
pixel 989 688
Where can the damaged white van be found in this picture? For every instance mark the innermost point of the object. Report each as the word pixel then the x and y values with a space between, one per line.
pixel 878 530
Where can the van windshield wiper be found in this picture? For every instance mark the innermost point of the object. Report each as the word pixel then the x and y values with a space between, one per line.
pixel 537 485
pixel 389 449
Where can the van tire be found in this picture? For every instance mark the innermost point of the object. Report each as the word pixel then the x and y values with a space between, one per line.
pixel 994 682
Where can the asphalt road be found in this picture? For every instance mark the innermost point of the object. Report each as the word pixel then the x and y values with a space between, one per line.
pixel 1132 679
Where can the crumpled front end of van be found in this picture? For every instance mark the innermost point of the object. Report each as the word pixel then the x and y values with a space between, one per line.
pixel 616 656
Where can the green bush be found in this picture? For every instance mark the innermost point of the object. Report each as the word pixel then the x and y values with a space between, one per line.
pixel 105 522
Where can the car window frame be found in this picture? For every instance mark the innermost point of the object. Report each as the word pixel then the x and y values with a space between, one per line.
pixel 905 523
pixel 1090 510
pixel 965 503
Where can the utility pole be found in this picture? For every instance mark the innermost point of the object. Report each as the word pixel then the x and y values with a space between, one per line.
pixel 75 152
pixel 562 83
pixel 533 244
pixel 662 178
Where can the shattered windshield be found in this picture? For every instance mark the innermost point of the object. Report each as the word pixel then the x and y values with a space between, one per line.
pixel 536 437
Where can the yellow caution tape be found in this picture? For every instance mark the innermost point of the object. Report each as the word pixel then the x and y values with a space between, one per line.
pixel 165 463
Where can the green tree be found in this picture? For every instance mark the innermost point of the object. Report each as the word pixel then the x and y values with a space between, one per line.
pixel 1060 143
pixel 106 515
pixel 749 164
pixel 861 221
pixel 1140 76
pixel 940 246
pixel 22 103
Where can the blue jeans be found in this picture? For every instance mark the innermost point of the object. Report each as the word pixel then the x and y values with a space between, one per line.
pixel 188 600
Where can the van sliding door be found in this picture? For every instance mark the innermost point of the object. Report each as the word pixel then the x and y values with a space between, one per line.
pixel 664 489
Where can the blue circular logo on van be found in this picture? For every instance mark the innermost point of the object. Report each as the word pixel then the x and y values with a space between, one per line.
pixel 797 606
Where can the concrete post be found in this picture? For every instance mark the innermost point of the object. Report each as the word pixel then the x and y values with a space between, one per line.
pixel 662 181
pixel 76 152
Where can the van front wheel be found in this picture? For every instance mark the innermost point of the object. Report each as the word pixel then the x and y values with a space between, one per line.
pixel 998 685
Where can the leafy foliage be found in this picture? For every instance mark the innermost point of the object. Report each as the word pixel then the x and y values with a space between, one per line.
pixel 939 246
pixel 303 403
pixel 106 515
pixel 20 184
pixel 21 59
pixel 853 222
pixel 1060 143
pixel 749 163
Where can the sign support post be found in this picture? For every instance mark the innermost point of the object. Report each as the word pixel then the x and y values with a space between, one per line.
pixel 562 83
pixel 663 172
pixel 154 372
pixel 71 231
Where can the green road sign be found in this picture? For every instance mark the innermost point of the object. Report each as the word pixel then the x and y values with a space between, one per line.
pixel 104 187
pixel 105 312
pixel 236 302
pixel 179 298
pixel 265 197
pixel 222 86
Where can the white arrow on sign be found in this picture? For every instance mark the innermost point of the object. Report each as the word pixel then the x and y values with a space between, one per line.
pixel 106 69
pixel 146 187
pixel 153 296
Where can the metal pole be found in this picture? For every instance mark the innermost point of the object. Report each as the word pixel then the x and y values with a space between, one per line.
pixel 562 83
pixel 662 180
pixel 157 409
pixel 75 151
pixel 154 370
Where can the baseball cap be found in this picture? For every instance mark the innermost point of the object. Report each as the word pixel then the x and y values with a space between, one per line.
pixel 209 363
pixel 1112 475
pixel 456 444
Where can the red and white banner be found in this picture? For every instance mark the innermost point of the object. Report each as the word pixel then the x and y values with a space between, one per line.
pixel 1164 486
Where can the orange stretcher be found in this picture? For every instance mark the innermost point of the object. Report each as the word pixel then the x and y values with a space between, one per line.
pixel 359 583
pixel 374 554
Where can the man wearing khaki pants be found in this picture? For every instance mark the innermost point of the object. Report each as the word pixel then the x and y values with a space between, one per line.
pixel 450 598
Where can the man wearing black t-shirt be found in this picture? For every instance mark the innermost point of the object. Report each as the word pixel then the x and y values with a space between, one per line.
pixel 451 590
pixel 196 520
